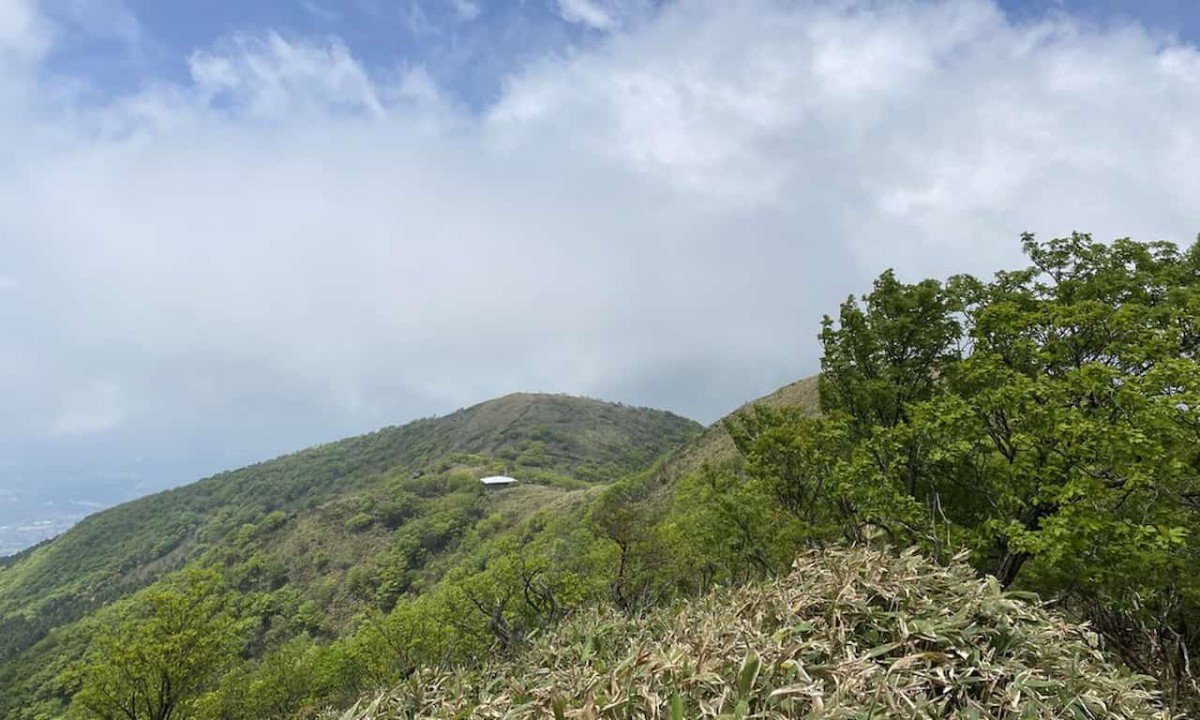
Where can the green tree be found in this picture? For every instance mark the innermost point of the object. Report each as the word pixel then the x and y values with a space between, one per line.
pixel 626 516
pixel 723 529
pixel 155 663
pixel 1048 420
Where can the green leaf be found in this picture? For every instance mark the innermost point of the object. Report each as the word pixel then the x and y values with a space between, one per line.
pixel 748 674
pixel 676 707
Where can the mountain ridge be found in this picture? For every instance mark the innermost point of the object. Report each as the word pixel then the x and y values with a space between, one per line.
pixel 353 565
pixel 714 446
pixel 343 493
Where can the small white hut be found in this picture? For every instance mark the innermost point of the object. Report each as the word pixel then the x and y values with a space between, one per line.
pixel 497 480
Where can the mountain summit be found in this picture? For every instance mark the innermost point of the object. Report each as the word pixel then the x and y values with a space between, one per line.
pixel 321 523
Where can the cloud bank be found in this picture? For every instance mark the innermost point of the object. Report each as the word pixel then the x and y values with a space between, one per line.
pixel 292 245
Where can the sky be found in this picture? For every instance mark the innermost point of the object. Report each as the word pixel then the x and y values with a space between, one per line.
pixel 233 229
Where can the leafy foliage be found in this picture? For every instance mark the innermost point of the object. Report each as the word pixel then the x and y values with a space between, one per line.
pixel 169 648
pixel 1046 420
pixel 848 634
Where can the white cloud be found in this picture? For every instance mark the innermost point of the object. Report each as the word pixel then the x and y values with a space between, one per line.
pixel 605 15
pixel 291 246
pixel 22 29
pixel 586 12
pixel 272 77
pixel 933 123
pixel 466 9
pixel 24 39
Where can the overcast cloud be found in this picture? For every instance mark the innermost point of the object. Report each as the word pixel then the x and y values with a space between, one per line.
pixel 291 245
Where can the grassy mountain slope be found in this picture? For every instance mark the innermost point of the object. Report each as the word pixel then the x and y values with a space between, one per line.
pixel 601 587
pixel 851 633
pixel 715 447
pixel 325 532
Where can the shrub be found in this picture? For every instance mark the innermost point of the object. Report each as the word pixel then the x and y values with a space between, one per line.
pixel 848 634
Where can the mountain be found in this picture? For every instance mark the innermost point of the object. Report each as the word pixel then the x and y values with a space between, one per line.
pixel 315 532
pixel 715 447
pixel 636 569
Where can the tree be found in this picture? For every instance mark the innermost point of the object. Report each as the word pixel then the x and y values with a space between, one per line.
pixel 516 592
pixel 163 653
pixel 723 529
pixel 626 515
pixel 1048 420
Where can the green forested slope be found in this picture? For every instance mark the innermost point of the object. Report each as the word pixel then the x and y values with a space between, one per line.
pixel 325 532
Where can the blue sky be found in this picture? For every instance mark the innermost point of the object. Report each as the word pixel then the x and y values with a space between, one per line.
pixel 1172 17
pixel 230 230
pixel 468 46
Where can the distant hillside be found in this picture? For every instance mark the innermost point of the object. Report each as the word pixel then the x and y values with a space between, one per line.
pixel 715 447
pixel 854 633
pixel 317 529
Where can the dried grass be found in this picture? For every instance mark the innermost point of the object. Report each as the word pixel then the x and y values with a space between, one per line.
pixel 855 633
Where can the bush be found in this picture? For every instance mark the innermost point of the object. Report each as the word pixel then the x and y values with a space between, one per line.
pixel 359 522
pixel 848 634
